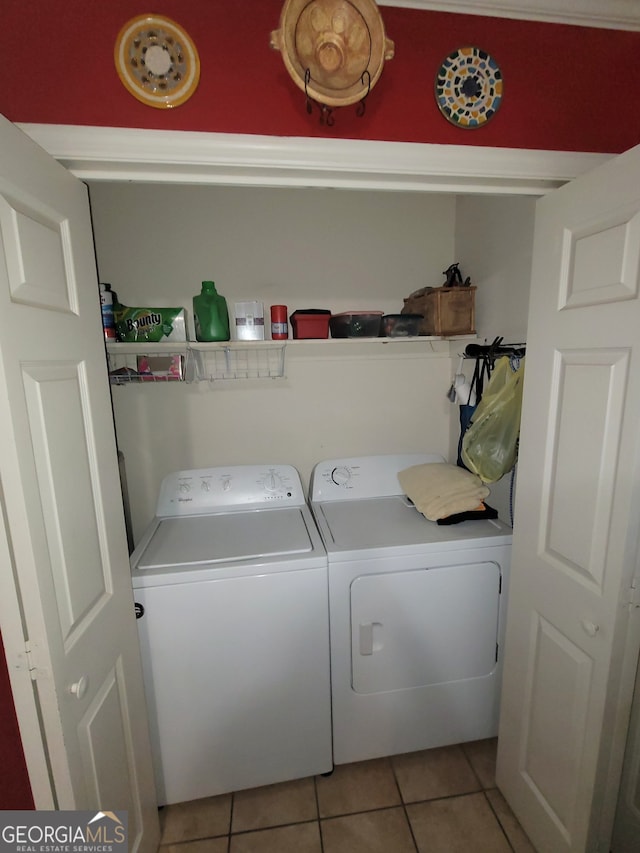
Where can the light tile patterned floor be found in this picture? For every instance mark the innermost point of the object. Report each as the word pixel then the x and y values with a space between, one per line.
pixel 438 801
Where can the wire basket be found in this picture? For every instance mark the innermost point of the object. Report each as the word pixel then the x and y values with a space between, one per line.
pixel 215 362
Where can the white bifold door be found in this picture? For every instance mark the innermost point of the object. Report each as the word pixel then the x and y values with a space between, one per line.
pixel 66 601
pixel 573 620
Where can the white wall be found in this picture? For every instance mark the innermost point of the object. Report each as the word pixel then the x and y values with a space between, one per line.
pixel 311 248
pixel 307 248
pixel 327 407
pixel 494 243
pixel 318 248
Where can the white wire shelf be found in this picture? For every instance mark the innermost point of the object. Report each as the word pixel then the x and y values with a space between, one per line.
pixel 190 361
pixel 149 362
pixel 260 360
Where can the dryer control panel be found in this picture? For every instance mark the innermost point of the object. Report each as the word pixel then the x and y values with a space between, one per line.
pixel 358 477
pixel 205 490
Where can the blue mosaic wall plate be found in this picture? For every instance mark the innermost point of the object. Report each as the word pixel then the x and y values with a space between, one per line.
pixel 469 87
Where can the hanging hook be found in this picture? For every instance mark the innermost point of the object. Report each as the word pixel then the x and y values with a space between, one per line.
pixel 326 116
pixel 307 77
pixel 362 106
pixel 326 113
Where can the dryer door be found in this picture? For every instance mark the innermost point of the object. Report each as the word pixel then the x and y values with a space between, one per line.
pixel 424 627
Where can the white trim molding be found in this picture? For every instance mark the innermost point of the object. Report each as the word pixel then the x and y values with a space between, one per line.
pixel 166 156
pixel 609 14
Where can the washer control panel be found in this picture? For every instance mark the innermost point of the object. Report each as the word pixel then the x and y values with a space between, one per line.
pixel 358 477
pixel 204 490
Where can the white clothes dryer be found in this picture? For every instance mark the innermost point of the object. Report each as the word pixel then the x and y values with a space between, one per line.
pixel 230 586
pixel 417 613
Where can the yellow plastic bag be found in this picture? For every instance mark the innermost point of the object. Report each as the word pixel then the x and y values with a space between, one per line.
pixel 490 444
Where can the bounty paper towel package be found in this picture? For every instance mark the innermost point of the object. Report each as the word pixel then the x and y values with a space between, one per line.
pixel 149 325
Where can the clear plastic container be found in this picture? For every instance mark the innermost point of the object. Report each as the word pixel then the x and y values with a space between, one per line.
pixel 400 325
pixel 356 324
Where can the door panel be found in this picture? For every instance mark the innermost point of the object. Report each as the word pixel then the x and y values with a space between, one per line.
pixel 418 628
pixel 601 260
pixel 574 499
pixel 577 515
pixel 37 278
pixel 106 743
pixel 64 515
pixel 63 444
pixel 554 731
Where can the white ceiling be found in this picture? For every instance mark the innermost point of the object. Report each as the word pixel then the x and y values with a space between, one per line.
pixel 612 14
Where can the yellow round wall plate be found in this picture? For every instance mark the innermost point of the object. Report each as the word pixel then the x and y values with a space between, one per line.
pixel 157 61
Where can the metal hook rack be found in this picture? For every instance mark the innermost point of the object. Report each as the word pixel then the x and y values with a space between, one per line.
pixel 362 106
pixel 327 116
pixel 485 356
pixel 494 350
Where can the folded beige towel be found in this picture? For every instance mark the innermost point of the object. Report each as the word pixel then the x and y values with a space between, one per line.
pixel 438 489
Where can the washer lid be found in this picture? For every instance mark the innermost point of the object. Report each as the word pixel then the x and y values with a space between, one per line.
pixel 227 538
pixel 393 522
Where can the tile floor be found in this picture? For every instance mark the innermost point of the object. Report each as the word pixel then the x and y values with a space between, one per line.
pixel 437 801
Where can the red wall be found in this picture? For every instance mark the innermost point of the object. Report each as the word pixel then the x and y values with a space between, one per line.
pixel 565 87
pixel 15 790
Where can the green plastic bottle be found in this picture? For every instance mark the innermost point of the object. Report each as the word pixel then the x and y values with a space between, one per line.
pixel 210 314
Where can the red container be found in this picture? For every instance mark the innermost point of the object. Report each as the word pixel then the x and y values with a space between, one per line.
pixel 313 323
pixel 279 328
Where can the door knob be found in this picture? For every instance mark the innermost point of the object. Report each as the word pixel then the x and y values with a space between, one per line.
pixel 80 687
pixel 590 628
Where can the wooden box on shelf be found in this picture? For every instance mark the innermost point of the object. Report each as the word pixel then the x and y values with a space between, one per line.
pixel 446 310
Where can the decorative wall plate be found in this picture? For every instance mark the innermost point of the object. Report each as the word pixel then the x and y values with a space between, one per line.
pixel 157 61
pixel 334 50
pixel 469 87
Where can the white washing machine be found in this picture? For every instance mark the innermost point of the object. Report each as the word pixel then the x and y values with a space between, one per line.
pixel 230 585
pixel 417 613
